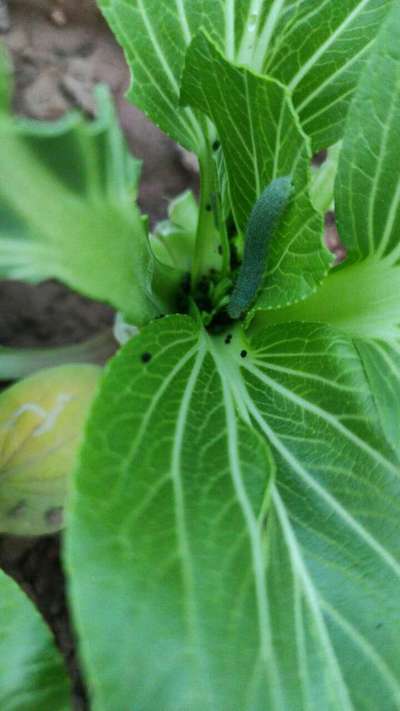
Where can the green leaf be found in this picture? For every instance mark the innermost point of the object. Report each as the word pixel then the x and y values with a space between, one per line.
pixel 152 411
pixel 361 297
pixel 261 140
pixel 154 35
pixel 368 184
pixel 90 158
pixel 174 239
pixel 316 48
pixel 266 35
pixel 67 193
pixel 381 362
pixel 231 582
pixel 16 363
pixel 319 51
pixel 32 673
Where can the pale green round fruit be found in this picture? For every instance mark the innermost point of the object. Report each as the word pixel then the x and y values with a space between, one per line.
pixel 41 424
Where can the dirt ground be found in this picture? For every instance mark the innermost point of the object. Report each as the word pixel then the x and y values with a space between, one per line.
pixel 60 50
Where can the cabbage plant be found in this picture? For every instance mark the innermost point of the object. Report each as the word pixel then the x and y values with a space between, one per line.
pixel 232 538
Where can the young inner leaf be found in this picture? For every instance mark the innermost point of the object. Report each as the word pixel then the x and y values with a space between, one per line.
pixel 264 219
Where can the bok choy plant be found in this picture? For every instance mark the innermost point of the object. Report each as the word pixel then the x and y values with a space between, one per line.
pixel 233 537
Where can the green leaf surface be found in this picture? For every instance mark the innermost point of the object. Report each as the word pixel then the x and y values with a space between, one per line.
pixel 173 240
pixel 67 201
pixel 368 181
pixel 381 362
pixel 361 298
pixel 154 35
pixel 320 48
pixel 261 140
pixel 234 579
pixel 315 47
pixel 32 673
pixel 16 363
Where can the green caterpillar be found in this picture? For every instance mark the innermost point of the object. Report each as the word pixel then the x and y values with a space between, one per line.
pixel 263 223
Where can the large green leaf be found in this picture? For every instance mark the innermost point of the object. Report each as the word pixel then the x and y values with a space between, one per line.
pixel 154 35
pixel 32 674
pixel 368 206
pixel 67 192
pixel 320 48
pixel 266 35
pixel 362 297
pixel 381 361
pixel 230 581
pixel 261 140
pixel 368 181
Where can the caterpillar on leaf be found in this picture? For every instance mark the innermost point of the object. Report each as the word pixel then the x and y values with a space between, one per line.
pixel 264 220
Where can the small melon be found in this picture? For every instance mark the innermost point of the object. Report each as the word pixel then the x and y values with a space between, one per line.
pixel 41 424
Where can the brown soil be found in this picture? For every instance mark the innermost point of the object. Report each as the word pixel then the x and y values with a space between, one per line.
pixel 60 50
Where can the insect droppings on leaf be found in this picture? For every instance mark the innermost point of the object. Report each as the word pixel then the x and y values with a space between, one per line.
pixel 228 338
pixel 243 354
pixel 146 357
pixel 54 516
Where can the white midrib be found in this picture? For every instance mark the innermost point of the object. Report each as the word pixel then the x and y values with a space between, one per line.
pixel 266 649
pixel 302 655
pixel 183 21
pixel 300 571
pixel 243 56
pixel 264 40
pixel 181 526
pixel 230 30
pixel 251 524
